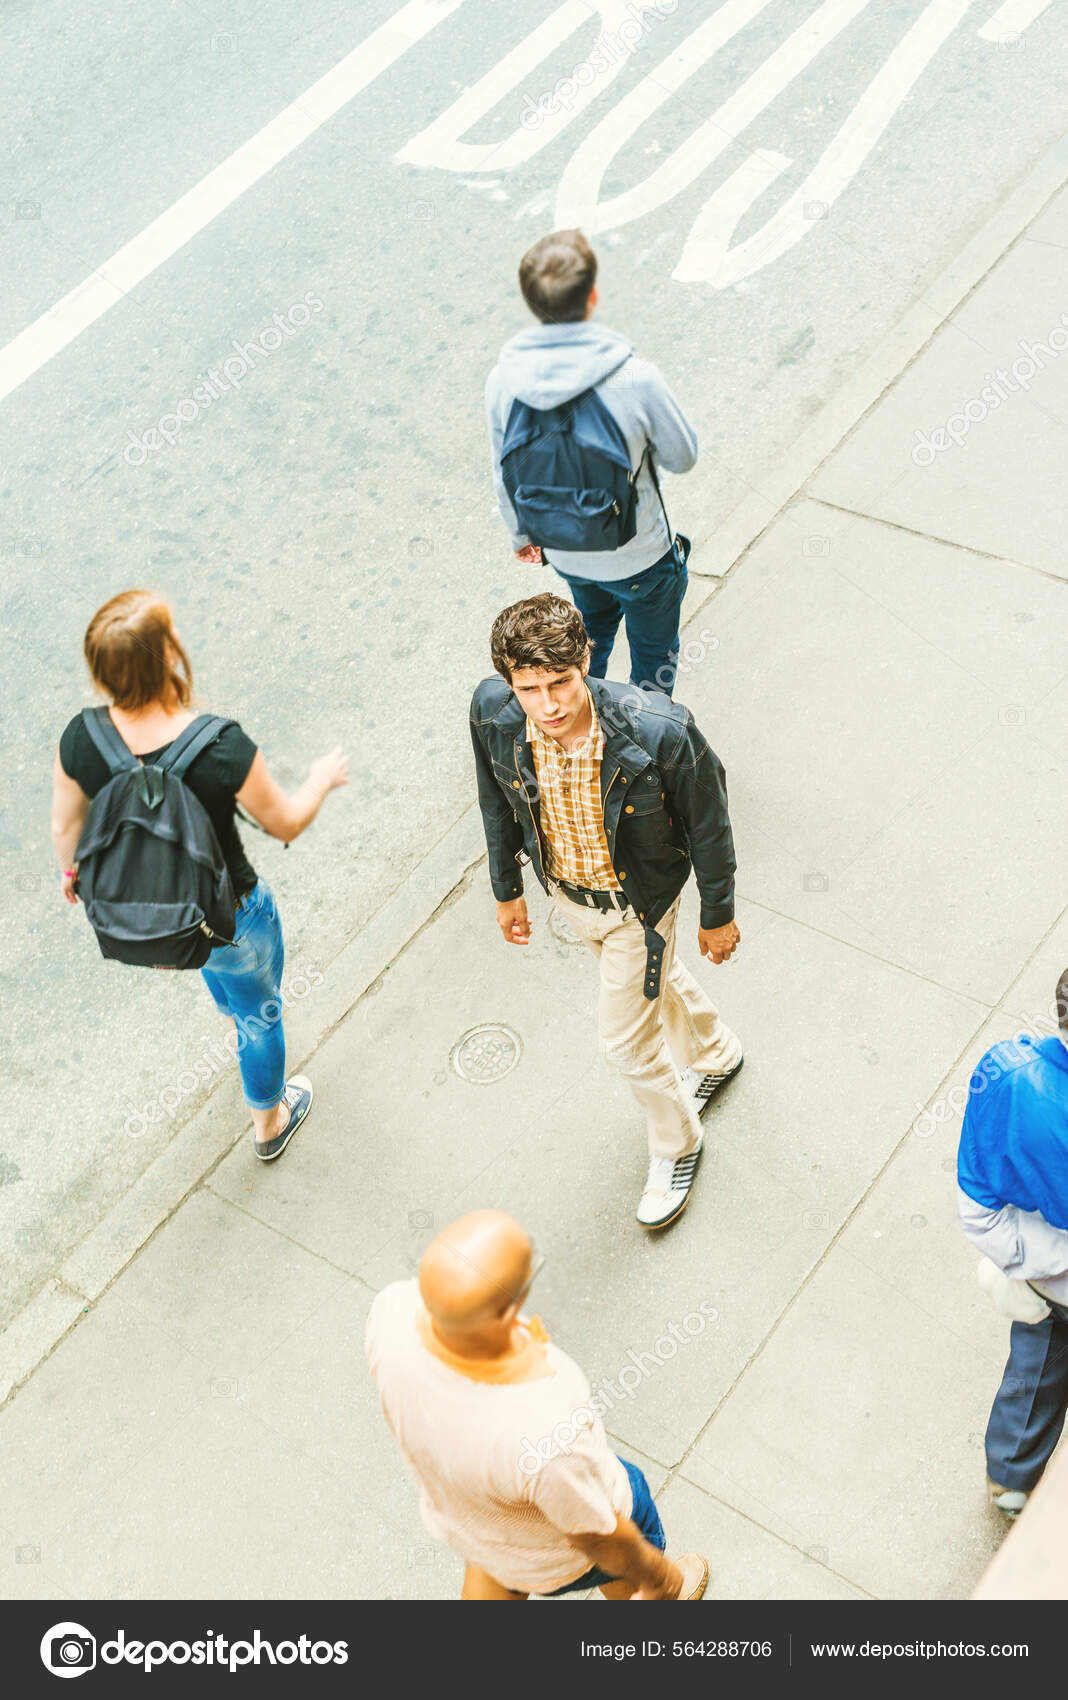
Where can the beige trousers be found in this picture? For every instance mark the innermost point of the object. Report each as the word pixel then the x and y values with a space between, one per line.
pixel 645 1037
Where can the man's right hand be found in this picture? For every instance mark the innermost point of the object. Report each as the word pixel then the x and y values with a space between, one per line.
pixel 513 922
pixel 530 554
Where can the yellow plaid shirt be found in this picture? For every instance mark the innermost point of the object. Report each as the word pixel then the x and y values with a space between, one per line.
pixel 569 784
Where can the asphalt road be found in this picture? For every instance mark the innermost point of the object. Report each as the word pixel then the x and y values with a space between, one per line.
pixel 766 203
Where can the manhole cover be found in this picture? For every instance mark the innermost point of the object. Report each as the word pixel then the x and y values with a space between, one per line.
pixel 486 1053
pixel 561 929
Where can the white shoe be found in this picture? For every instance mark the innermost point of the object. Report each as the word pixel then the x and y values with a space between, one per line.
pixel 667 1188
pixel 1009 1500
pixel 701 1087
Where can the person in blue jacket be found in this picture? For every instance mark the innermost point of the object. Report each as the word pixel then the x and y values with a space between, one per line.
pixel 1012 1174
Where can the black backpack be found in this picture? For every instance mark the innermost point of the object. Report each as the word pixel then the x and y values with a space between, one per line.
pixel 150 872
pixel 567 473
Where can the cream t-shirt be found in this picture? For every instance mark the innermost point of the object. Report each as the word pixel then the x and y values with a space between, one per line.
pixel 505 1470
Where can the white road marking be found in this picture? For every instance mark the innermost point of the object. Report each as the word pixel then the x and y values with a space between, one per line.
pixel 1011 19
pixel 578 202
pixel 705 257
pixel 30 350
pixel 544 111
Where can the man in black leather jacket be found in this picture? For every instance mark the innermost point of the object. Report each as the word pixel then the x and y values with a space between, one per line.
pixel 612 794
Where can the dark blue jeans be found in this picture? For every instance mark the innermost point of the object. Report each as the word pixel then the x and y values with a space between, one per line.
pixel 1029 1410
pixel 649 603
pixel 647 1517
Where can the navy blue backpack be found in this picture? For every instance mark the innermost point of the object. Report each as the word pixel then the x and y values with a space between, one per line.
pixel 567 473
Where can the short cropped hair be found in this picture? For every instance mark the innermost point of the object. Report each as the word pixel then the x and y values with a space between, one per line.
pixel 133 653
pixel 557 276
pixel 545 632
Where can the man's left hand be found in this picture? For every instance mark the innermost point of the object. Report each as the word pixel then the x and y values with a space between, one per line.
pixel 719 942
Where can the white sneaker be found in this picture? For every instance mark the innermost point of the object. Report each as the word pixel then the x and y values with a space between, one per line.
pixel 700 1088
pixel 667 1188
pixel 1009 1500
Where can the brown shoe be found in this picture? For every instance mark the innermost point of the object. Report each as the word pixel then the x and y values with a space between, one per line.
pixel 694 1576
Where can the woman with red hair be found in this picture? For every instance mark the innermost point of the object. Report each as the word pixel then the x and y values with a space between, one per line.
pixel 137 662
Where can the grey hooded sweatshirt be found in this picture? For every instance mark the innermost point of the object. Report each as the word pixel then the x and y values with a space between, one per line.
pixel 551 364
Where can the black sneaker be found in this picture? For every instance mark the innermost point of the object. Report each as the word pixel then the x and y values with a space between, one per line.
pixel 298 1095
pixel 703 1087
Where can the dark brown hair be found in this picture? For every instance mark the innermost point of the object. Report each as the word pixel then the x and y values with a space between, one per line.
pixel 544 631
pixel 133 654
pixel 556 277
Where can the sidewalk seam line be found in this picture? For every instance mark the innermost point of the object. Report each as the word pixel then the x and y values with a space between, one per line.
pixel 872 955
pixel 943 542
pixel 675 1474
pixel 271 1228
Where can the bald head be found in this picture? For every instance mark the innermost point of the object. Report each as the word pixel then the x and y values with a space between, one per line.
pixel 474 1270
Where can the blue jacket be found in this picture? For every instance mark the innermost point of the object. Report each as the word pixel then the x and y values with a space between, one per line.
pixel 663 792
pixel 1014 1141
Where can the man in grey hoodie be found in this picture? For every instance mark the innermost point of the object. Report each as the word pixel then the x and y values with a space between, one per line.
pixel 642 582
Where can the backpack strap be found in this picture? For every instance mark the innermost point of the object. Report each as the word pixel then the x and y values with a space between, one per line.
pixel 636 474
pixel 660 493
pixel 189 744
pixel 107 742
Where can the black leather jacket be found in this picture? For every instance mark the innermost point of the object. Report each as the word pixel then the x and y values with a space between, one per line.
pixel 662 790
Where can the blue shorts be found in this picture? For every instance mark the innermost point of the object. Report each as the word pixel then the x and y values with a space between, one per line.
pixel 643 1513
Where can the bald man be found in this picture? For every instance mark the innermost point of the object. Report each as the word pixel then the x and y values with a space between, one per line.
pixel 496 1425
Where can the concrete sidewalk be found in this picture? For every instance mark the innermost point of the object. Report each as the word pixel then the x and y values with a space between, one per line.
pixel 883 675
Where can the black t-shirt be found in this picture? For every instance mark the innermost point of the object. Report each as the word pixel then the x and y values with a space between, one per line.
pixel 214 778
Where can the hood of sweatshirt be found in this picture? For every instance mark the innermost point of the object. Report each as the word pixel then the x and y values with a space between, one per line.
pixel 548 365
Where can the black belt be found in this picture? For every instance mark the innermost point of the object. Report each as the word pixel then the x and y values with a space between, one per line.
pixel 603 900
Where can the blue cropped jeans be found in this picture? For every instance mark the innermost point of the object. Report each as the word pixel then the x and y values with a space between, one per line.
pixel 245 979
